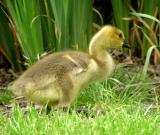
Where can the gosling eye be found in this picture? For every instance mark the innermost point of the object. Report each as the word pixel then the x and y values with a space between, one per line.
pixel 120 35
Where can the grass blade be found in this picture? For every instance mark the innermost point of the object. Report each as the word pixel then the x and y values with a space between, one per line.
pixel 145 16
pixel 145 68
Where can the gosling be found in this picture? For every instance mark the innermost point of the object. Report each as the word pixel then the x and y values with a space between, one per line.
pixel 58 78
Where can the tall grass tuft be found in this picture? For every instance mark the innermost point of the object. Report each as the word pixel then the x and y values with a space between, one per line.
pixel 73 21
pixel 51 25
pixel 8 44
pixel 23 13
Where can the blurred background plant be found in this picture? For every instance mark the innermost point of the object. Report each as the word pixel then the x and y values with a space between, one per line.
pixel 8 41
pixel 50 25
pixel 145 28
pixel 30 28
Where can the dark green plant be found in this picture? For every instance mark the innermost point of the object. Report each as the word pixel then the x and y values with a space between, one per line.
pixel 8 44
pixel 72 21
pixel 29 31
pixel 51 24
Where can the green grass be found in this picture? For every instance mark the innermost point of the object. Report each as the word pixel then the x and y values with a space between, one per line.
pixel 125 104
pixel 121 120
pixel 5 97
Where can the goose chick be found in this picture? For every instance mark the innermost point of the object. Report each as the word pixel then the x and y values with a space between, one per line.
pixel 58 78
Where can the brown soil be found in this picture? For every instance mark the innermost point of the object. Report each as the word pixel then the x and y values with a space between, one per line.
pixel 6 77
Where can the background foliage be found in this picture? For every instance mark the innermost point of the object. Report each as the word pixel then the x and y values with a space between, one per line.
pixel 31 28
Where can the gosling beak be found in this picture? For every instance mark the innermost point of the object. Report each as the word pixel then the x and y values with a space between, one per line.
pixel 126 45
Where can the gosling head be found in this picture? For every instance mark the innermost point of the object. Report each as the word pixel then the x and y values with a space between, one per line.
pixel 108 37
pixel 114 37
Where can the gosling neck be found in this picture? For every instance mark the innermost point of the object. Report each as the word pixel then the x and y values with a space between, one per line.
pixel 97 49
